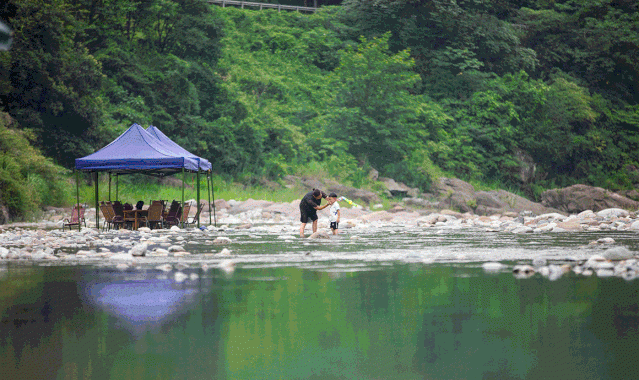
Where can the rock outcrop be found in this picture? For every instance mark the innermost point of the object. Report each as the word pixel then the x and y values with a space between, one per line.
pixel 501 201
pixel 578 198
pixel 454 193
pixel 459 195
pixel 396 189
pixel 357 195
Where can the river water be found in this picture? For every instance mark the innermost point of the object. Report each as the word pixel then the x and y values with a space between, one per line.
pixel 391 303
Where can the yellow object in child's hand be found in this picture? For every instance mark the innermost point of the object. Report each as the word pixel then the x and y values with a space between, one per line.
pixel 345 199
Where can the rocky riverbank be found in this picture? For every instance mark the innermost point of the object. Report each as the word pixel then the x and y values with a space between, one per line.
pixel 240 223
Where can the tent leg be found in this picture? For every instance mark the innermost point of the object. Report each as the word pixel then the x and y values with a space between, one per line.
pixel 117 187
pixel 213 192
pixel 208 192
pixel 97 213
pixel 198 197
pixel 77 193
pixel 183 181
pixel 109 187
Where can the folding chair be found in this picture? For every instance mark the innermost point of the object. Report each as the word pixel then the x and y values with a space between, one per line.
pixel 77 217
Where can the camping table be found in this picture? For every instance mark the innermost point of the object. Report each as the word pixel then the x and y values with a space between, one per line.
pixel 136 215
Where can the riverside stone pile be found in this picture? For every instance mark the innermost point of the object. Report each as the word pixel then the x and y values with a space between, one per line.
pixel 44 243
pixel 617 261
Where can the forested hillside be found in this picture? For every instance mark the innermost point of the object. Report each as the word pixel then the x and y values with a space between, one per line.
pixel 527 95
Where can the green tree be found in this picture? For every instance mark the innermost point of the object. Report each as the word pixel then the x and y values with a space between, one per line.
pixel 594 41
pixel 374 110
pixel 54 80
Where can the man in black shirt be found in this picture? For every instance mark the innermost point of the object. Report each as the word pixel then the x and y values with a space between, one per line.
pixel 308 208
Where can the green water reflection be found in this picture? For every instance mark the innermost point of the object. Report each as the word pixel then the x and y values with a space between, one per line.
pixel 398 322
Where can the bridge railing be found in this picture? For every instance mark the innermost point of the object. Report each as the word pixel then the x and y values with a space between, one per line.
pixel 261 6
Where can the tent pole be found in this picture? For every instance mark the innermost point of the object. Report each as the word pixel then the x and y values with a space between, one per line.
pixel 117 187
pixel 97 213
pixel 109 186
pixel 213 192
pixel 198 197
pixel 183 180
pixel 77 193
pixel 208 192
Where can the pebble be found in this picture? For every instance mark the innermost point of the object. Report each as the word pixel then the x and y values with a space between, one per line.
pixel 180 277
pixel 523 269
pixel 222 240
pixel 121 256
pixel 181 266
pixel 164 267
pixel 493 266
pixel 139 250
pixel 227 266
pixel 539 261
pixel 618 253
pixel 319 235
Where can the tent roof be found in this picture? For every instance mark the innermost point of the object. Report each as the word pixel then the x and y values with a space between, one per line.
pixel 154 131
pixel 136 150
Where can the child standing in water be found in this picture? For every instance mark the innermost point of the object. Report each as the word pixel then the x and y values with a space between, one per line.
pixel 333 213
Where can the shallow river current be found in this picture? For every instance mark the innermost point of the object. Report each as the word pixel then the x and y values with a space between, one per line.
pixel 393 303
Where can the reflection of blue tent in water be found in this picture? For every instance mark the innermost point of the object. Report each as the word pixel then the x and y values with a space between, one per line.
pixel 142 304
pixel 139 151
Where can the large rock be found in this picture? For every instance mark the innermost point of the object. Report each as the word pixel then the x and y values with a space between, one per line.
pixel 396 189
pixel 377 216
pixel 373 175
pixel 577 198
pixel 221 204
pixel 527 166
pixel 4 214
pixel 312 183
pixel 490 199
pixel 284 208
pixel 507 202
pixel 250 205
pixel 570 225
pixel 139 249
pixel 632 194
pixel 353 193
pixel 618 253
pixel 460 195
pixel 319 235
pixel 455 194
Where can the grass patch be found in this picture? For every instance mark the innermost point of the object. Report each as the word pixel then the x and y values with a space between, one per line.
pixel 132 191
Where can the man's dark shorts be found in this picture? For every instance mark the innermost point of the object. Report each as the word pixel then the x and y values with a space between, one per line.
pixel 307 214
pixel 334 226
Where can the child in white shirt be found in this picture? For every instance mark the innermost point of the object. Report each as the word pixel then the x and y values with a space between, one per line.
pixel 333 213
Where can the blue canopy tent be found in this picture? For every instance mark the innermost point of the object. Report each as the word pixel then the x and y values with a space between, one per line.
pixel 205 165
pixel 155 132
pixel 138 151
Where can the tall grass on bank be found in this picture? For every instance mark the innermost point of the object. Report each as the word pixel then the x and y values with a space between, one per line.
pixel 132 191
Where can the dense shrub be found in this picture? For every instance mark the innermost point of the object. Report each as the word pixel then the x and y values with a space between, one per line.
pixel 28 180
